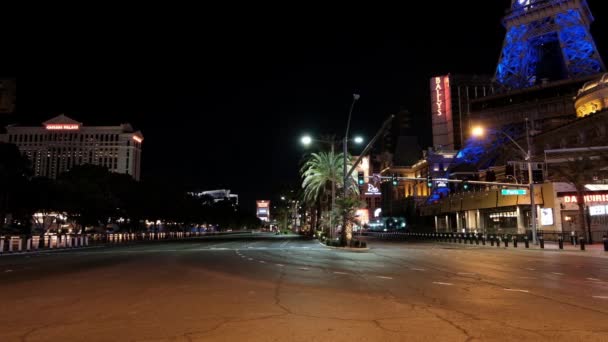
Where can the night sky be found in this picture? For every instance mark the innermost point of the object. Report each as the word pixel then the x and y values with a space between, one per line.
pixel 222 97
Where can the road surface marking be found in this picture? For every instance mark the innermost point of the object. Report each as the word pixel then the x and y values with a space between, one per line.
pixel 440 283
pixel 531 269
pixel 418 269
pixel 280 265
pixel 517 290
pixel 557 273
pixel 527 277
pixel 336 272
pixel 465 273
pixel 593 279
pixel 250 259
pixel 601 297
pixel 262 262
pixel 383 277
pixel 304 247
pixel 6 271
pixel 303 268
pixel 249 247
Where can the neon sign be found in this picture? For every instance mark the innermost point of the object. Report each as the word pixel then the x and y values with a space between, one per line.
pixel 438 96
pixel 63 127
pixel 587 198
pixel 138 139
pixel 372 190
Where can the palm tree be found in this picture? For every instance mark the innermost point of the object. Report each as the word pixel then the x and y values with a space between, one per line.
pixel 319 172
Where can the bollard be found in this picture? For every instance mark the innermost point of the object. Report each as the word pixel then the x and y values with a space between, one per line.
pixel 581 241
pixel 2 245
pixel 514 241
pixel 506 242
pixel 492 241
pixel 526 242
pixel 477 240
pixel 28 245
pixel 560 243
pixel 605 244
pixel 483 240
pixel 542 242
pixel 498 240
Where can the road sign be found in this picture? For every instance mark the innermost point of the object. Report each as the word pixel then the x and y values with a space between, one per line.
pixel 513 192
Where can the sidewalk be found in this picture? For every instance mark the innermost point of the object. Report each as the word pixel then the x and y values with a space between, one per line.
pixel 595 250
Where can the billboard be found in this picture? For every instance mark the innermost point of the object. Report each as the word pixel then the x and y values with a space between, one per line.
pixel 441 111
pixel 263 210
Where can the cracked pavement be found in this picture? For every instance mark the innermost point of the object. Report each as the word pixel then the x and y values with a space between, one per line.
pixel 296 290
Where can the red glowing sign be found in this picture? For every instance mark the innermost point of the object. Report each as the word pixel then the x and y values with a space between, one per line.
pixel 63 127
pixel 440 96
pixel 587 198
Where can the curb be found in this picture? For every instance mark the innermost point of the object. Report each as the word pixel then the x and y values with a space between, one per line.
pixel 357 250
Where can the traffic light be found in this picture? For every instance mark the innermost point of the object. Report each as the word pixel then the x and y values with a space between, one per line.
pixel 465 185
pixel 360 178
pixel 395 180
pixel 429 181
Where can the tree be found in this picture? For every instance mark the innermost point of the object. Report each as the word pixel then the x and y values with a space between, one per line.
pixel 319 172
pixel 14 173
pixel 347 208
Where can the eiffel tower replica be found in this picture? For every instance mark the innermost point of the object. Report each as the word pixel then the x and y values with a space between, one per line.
pixel 547 40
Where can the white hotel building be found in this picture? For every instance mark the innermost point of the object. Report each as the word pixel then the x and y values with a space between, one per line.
pixel 61 143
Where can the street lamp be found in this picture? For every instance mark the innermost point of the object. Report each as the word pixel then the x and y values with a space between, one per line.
pixel 479 131
pixel 306 140
pixel 358 140
pixel 345 151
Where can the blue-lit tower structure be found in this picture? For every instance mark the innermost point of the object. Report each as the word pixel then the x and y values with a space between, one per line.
pixel 547 40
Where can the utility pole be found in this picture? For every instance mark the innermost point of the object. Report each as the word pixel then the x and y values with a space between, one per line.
pixel 531 183
pixel 345 151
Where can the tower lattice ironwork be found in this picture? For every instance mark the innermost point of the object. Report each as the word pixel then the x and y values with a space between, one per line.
pixel 547 40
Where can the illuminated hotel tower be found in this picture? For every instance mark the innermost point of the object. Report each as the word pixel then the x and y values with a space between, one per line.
pixel 61 143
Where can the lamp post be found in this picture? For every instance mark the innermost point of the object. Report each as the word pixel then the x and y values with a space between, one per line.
pixel 479 131
pixel 345 175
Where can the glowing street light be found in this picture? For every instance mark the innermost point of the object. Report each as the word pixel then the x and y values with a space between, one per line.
pixel 358 140
pixel 306 140
pixel 477 131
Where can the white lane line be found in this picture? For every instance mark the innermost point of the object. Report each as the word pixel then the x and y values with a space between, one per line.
pixel 250 259
pixel 531 269
pixel 527 277
pixel 280 265
pixel 441 283
pixel 336 272
pixel 303 268
pixel 249 247
pixel 593 279
pixel 557 273
pixel 465 273
pixel 517 290
pixel 418 269
pixel 383 277
pixel 600 297
pixel 262 262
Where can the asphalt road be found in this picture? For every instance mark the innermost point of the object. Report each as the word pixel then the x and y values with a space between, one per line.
pixel 288 289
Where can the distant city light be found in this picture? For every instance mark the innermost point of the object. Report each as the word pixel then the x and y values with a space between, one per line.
pixel 138 139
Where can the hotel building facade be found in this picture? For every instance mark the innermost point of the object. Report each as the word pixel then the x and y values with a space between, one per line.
pixel 62 143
